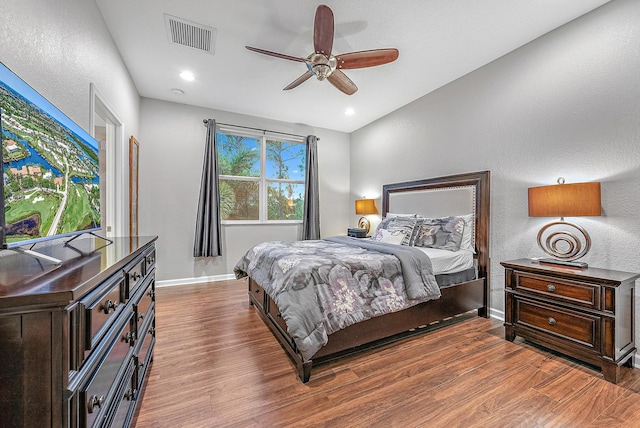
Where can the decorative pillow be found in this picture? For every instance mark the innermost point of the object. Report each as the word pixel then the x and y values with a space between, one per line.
pixel 386 221
pixel 426 235
pixel 444 233
pixel 408 225
pixel 388 236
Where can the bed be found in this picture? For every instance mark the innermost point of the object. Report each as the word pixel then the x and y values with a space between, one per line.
pixel 461 278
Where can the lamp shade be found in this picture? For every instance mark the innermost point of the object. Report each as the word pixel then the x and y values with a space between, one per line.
pixel 565 200
pixel 366 206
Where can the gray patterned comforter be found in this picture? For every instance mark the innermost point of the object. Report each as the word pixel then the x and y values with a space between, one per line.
pixel 326 285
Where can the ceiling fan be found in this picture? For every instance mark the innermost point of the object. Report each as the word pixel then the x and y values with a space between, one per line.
pixel 322 64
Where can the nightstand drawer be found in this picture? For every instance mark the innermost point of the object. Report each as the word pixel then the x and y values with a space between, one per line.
pixel 574 292
pixel 566 324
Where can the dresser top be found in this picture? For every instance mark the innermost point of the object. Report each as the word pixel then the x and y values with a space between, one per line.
pixel 87 261
pixel 590 273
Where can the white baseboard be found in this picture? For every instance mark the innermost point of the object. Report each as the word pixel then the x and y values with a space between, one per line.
pixel 497 314
pixel 199 280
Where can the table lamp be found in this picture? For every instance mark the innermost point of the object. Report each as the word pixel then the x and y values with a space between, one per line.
pixel 564 200
pixel 365 207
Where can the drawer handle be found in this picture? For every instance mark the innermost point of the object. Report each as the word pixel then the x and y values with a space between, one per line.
pixel 150 260
pixel 108 306
pixel 94 402
pixel 279 315
pixel 552 321
pixel 151 294
pixel 152 331
pixel 129 338
pixel 135 276
pixel 140 317
pixel 551 287
pixel 257 290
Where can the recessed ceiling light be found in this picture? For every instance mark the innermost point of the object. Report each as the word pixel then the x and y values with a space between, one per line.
pixel 176 91
pixel 187 75
pixel 349 112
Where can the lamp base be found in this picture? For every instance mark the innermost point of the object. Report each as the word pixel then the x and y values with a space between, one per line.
pixel 363 223
pixel 573 264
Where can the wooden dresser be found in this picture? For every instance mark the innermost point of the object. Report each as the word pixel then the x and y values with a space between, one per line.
pixel 76 340
pixel 587 314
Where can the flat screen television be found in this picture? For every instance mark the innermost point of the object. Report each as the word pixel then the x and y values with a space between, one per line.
pixel 50 169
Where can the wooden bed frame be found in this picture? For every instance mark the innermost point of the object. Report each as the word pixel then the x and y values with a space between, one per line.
pixel 455 300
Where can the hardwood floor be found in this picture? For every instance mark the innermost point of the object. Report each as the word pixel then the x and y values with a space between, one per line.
pixel 217 365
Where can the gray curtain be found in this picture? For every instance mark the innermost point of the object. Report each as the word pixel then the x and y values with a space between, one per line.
pixel 311 215
pixel 208 241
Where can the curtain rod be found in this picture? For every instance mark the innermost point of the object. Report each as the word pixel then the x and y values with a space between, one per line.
pixel 257 129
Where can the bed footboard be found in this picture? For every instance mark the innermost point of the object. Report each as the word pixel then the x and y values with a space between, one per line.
pixel 456 300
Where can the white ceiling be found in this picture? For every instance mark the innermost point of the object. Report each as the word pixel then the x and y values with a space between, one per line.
pixel 439 41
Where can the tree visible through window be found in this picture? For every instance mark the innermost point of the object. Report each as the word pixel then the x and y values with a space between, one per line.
pixel 261 177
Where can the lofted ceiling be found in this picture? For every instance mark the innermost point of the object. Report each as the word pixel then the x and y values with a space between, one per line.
pixel 439 41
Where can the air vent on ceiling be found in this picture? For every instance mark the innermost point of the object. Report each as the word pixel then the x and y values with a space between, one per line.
pixel 190 34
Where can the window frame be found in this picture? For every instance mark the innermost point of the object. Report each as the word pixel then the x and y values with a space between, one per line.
pixel 262 180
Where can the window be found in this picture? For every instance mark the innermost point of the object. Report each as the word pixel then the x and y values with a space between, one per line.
pixel 262 176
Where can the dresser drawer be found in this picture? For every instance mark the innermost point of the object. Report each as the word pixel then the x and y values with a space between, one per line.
pixel 150 260
pixel 124 400
pixel 145 302
pixel 101 309
pixel 135 273
pixel 96 395
pixel 145 353
pixel 577 327
pixel 574 292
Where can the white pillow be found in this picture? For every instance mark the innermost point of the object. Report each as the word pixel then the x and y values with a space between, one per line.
pixel 390 215
pixel 468 234
pixel 389 237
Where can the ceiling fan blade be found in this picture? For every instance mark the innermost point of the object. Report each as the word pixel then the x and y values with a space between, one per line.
pixel 366 58
pixel 277 55
pixel 323 31
pixel 299 80
pixel 342 82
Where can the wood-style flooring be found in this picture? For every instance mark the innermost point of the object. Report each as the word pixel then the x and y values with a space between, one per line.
pixel 217 365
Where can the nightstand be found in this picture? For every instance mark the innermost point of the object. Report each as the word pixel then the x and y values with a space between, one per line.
pixel 587 314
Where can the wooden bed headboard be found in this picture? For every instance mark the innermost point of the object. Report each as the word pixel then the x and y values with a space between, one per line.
pixel 458 194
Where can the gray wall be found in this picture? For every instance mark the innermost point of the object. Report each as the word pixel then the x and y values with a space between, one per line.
pixel 171 153
pixel 60 47
pixel 567 104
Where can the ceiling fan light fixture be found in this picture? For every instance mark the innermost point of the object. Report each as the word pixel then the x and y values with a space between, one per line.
pixel 322 71
pixel 322 64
